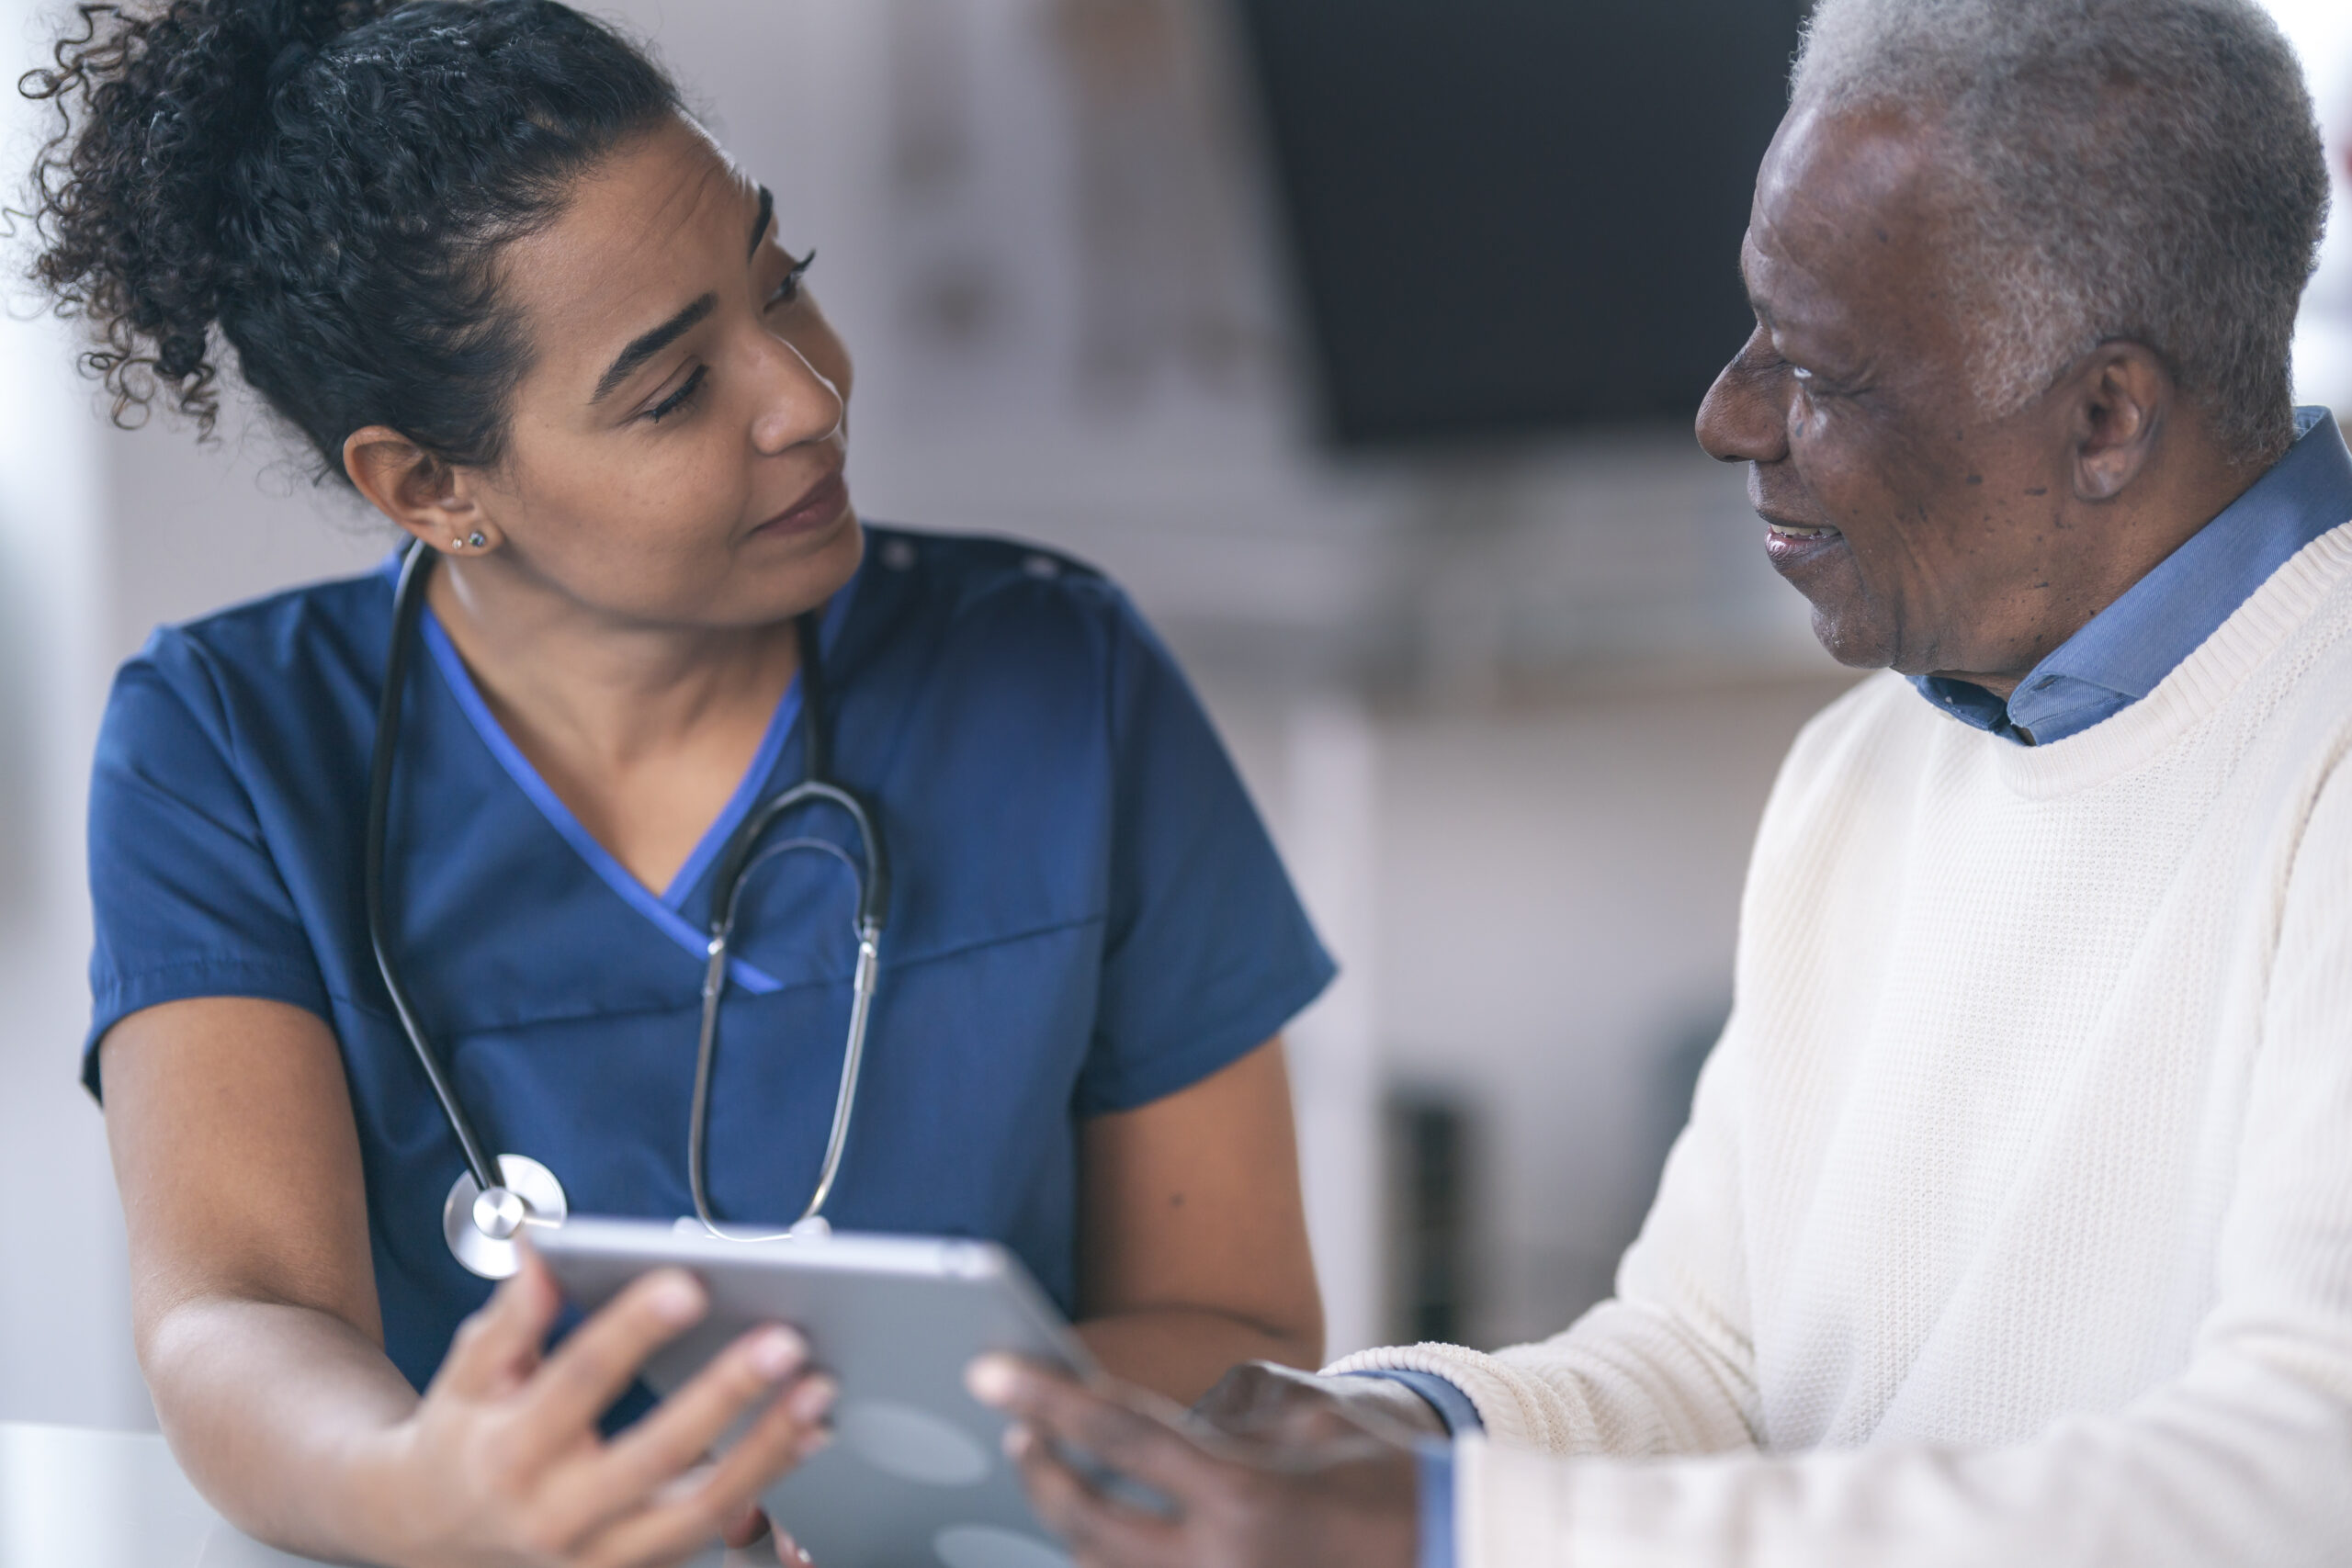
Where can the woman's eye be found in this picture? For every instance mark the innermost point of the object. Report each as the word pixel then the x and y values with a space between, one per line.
pixel 680 398
pixel 1803 374
pixel 789 290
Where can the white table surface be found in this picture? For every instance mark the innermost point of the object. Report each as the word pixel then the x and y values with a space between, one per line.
pixel 72 1498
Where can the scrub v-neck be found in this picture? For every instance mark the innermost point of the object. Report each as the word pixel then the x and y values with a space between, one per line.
pixel 662 909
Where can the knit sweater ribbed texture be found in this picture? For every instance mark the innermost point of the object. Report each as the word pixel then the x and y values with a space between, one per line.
pixel 2013 1224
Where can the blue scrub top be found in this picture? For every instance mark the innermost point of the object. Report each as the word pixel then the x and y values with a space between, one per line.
pixel 1088 914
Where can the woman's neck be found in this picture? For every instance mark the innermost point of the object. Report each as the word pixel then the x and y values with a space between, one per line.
pixel 605 689
pixel 644 732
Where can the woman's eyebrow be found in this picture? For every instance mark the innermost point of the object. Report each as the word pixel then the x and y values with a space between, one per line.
pixel 645 346
pixel 648 345
pixel 760 226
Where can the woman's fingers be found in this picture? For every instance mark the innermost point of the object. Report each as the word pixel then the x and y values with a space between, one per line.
pixel 496 1347
pixel 581 1378
pixel 790 1432
pixel 786 1432
pixel 1135 1445
pixel 677 1434
pixel 1098 1530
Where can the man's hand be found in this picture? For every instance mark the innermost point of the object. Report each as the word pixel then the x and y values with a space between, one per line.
pixel 1261 1402
pixel 1347 1500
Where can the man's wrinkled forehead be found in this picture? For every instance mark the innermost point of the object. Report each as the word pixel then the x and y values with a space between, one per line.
pixel 1849 213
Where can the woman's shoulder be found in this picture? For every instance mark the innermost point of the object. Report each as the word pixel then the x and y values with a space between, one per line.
pixel 317 640
pixel 968 572
pixel 286 624
pixel 997 601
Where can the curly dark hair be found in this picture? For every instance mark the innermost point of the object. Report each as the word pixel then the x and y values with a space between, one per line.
pixel 328 183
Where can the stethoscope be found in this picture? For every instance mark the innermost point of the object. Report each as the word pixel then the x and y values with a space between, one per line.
pixel 488 1207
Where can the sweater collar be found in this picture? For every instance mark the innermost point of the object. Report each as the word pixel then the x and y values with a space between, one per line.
pixel 2126 650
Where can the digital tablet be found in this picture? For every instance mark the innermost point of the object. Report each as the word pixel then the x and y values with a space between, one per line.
pixel 916 1476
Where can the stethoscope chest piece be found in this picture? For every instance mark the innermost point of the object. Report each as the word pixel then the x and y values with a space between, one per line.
pixel 481 1227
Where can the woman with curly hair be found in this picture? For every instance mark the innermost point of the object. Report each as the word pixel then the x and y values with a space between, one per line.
pixel 510 293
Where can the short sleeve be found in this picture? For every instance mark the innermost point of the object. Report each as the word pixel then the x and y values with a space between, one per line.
pixel 1208 950
pixel 185 897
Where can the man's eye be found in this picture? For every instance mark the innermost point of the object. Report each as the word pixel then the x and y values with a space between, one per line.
pixel 1801 373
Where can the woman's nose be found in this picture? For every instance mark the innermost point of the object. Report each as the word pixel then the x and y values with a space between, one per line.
pixel 797 404
pixel 1741 420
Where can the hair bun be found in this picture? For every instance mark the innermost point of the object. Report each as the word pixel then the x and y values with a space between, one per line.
pixel 289 63
pixel 319 187
pixel 161 101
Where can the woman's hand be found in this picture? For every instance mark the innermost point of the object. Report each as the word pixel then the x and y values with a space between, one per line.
pixel 1345 1500
pixel 503 1464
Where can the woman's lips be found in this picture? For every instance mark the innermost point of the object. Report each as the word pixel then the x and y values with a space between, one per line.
pixel 814 511
pixel 1790 544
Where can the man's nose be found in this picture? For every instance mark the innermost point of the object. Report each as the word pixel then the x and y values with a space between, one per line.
pixel 1741 419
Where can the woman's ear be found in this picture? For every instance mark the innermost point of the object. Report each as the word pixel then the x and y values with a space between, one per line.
pixel 431 500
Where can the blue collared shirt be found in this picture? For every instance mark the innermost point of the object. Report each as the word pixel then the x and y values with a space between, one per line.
pixel 2125 651
pixel 1435 1459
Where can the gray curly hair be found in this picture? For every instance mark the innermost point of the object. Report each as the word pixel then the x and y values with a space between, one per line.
pixel 2147 170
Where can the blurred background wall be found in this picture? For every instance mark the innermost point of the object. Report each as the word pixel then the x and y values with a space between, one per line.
pixel 1510 695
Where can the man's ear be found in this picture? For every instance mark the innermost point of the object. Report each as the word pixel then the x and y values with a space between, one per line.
pixel 428 498
pixel 2121 395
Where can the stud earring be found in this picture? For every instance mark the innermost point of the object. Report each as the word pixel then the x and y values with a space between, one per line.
pixel 477 539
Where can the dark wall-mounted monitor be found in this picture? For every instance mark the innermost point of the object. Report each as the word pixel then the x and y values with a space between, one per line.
pixel 1513 217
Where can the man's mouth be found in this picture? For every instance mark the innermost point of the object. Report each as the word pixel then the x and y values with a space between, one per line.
pixel 1790 545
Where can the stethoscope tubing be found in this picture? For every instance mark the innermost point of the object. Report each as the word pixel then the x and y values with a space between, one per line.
pixel 408 608
pixel 735 862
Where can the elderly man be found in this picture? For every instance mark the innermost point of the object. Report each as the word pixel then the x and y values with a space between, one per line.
pixel 2013 1224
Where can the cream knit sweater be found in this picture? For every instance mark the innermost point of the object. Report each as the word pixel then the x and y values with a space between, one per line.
pixel 2013 1224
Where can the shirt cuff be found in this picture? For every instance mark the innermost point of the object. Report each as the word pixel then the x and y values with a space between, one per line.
pixel 1442 1394
pixel 1436 1462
